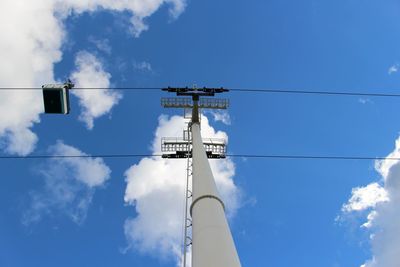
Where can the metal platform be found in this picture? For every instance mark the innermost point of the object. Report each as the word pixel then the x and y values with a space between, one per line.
pixel 184 102
pixel 214 103
pixel 174 102
pixel 173 147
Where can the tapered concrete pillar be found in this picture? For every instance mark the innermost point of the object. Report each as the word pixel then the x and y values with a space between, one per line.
pixel 212 245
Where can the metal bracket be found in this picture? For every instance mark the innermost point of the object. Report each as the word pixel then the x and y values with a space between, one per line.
pixel 189 243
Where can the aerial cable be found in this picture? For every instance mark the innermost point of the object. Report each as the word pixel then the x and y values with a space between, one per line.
pixel 238 90
pixel 252 156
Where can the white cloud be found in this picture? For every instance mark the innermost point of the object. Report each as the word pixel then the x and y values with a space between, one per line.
pixel 90 74
pixel 142 66
pixel 69 185
pixel 393 69
pixel 221 115
pixel 32 34
pixel 20 140
pixel 155 187
pixel 139 9
pixel 363 198
pixel 101 44
pixel 384 213
pixel 27 58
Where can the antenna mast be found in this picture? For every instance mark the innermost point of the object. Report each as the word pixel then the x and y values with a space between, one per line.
pixel 212 242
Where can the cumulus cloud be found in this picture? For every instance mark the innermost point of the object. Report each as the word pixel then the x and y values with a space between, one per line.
pixel 363 198
pixel 155 187
pixel 19 140
pixel 381 204
pixel 138 9
pixel 28 55
pixel 32 34
pixel 221 115
pixel 69 185
pixel 90 74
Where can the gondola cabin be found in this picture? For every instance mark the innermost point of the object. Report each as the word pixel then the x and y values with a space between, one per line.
pixel 56 98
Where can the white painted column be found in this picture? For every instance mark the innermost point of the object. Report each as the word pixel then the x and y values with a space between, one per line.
pixel 212 243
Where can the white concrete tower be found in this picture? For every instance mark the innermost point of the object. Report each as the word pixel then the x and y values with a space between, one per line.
pixel 212 242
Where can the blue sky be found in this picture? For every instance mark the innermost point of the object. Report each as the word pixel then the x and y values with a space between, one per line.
pixel 284 212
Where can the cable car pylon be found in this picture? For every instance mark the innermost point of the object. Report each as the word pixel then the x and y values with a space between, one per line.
pixel 212 242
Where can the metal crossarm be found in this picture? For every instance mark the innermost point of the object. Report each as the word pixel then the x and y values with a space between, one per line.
pixel 186 91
